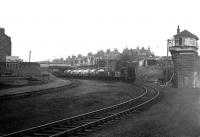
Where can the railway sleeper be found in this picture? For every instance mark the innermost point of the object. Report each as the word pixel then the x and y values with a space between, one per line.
pixel 108 123
pixel 95 117
pixel 88 130
pixel 81 132
pixel 87 121
pixel 41 134
pixel 51 131
pixel 136 111
pixel 143 108
pixel 72 126
pixel 59 128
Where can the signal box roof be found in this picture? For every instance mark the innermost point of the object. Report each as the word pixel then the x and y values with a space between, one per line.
pixel 186 34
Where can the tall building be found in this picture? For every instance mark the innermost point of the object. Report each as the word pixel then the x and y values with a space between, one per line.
pixel 5 45
pixel 183 48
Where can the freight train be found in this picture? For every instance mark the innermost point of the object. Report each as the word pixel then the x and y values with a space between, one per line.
pixel 124 73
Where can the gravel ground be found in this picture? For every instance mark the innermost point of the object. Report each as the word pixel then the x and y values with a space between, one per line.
pixel 18 114
pixel 177 115
pixel 32 88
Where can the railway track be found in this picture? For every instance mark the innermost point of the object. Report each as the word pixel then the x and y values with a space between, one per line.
pixel 81 124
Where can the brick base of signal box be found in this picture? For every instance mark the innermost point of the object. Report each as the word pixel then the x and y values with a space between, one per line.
pixel 184 69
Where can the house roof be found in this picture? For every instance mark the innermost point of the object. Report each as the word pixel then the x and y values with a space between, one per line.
pixel 4 37
pixel 2 34
pixel 185 34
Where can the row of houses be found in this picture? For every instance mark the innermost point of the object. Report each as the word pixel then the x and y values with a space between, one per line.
pixel 102 58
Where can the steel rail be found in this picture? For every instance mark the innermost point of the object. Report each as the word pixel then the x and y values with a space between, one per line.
pixel 106 119
pixel 82 116
pixel 75 117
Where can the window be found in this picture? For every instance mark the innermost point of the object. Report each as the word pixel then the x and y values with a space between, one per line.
pixel 180 41
pixel 177 42
pixel 190 42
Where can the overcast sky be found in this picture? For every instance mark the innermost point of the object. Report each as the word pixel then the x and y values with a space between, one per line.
pixel 58 28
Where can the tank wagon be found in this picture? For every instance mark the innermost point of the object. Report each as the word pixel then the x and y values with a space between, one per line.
pixel 125 73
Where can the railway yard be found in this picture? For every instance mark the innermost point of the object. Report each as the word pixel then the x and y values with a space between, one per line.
pixel 173 113
pixel 99 69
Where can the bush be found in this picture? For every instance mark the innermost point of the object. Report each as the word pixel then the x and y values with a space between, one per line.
pixel 150 73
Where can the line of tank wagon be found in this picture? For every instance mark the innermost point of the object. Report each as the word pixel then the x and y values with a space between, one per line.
pixel 124 74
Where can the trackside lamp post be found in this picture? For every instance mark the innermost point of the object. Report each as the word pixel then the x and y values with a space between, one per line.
pixel 168 43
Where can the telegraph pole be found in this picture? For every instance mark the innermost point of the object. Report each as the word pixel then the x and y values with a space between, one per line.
pixel 30 56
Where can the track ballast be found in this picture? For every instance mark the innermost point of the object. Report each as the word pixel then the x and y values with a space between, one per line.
pixel 87 122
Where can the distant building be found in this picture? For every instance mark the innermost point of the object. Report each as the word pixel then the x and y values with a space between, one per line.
pixel 148 62
pixel 13 59
pixel 5 45
pixel 58 61
pixel 99 60
pixel 137 53
pixel 113 55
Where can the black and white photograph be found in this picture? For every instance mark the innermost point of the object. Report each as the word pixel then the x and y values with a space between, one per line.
pixel 99 68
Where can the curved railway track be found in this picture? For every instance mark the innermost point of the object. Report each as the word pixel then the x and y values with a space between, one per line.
pixel 79 125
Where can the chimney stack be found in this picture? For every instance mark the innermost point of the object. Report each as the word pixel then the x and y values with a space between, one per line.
pixel 2 30
pixel 178 30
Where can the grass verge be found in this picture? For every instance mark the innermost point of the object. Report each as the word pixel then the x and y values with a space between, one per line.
pixel 176 115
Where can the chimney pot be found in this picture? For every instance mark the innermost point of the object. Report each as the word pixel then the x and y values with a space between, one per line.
pixel 178 30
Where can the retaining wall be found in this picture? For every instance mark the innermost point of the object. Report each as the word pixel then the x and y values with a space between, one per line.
pixel 25 69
